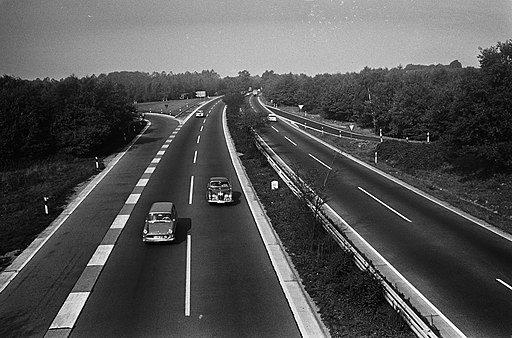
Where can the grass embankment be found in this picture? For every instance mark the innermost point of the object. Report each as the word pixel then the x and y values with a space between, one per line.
pixel 351 301
pixel 420 165
pixel 22 191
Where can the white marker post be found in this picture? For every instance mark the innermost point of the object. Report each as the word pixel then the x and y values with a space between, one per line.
pixel 46 211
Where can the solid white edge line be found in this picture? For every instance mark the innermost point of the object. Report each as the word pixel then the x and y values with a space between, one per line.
pixel 304 313
pixel 187 276
pixel 504 283
pixel 384 204
pixel 395 271
pixel 191 189
pixel 289 140
pixel 483 224
pixel 322 163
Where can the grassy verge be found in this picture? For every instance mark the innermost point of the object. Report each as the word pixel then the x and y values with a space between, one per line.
pixel 21 199
pixel 487 198
pixel 350 301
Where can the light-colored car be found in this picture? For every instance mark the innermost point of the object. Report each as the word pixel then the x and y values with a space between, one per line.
pixel 219 190
pixel 199 113
pixel 160 225
pixel 272 117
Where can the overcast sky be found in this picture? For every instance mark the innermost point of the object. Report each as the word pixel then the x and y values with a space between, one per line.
pixel 57 38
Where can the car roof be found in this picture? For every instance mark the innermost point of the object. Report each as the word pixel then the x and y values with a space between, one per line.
pixel 218 178
pixel 161 207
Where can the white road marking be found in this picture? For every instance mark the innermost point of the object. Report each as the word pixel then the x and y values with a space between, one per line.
pixel 132 199
pixel 384 204
pixel 156 160
pixel 295 144
pixel 204 121
pixel 275 129
pixel 70 310
pixel 201 128
pixel 503 283
pixel 142 182
pixel 160 153
pixel 101 254
pixel 165 146
pixel 191 189
pixel 198 138
pixel 322 163
pixel 149 170
pixel 195 156
pixel 187 276
pixel 119 222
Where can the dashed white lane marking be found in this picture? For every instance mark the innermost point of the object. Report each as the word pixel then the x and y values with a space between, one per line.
pixel 295 144
pixel 119 222
pixel 195 157
pixel 275 129
pixel 132 199
pixel 142 182
pixel 187 275
pixel 384 204
pixel 160 153
pixel 75 302
pixel 165 146
pixel 201 128
pixel 504 283
pixel 198 138
pixel 322 163
pixel 191 189
pixel 70 310
pixel 101 255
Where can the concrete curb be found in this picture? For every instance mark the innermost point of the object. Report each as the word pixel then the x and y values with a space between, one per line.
pixel 303 308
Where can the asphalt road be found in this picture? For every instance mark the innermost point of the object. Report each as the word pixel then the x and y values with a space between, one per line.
pixel 464 269
pixel 234 291
pixel 216 279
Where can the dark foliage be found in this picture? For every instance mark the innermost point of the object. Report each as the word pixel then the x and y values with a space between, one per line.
pixel 74 116
pixel 469 110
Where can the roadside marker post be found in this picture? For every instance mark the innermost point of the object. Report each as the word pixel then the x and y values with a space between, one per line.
pixel 46 211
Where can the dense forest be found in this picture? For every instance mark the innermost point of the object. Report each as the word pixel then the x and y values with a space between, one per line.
pixel 467 111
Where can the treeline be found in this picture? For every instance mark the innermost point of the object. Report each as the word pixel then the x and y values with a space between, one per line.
pixel 468 110
pixel 78 117
pixel 145 87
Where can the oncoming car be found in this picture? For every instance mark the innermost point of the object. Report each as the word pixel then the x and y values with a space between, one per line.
pixel 160 225
pixel 272 117
pixel 199 113
pixel 219 190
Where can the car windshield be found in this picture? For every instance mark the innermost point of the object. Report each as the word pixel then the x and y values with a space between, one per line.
pixel 160 217
pixel 219 184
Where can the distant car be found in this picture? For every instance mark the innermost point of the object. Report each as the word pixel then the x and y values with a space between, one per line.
pixel 272 117
pixel 160 225
pixel 199 113
pixel 219 190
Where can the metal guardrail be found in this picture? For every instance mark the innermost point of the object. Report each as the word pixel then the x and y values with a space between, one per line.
pixel 416 322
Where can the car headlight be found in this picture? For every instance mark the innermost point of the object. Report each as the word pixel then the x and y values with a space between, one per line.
pixel 145 231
